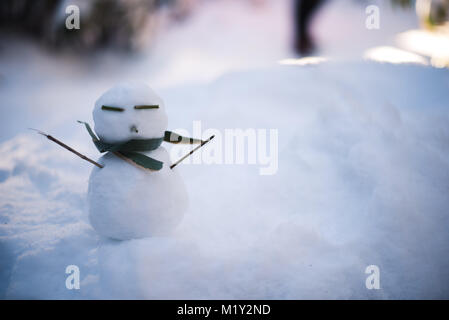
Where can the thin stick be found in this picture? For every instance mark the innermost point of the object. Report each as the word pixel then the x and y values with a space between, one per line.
pixel 49 137
pixel 202 144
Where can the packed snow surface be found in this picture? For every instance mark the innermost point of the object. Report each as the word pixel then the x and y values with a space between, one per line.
pixel 363 179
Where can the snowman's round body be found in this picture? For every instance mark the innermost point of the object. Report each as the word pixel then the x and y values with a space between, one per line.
pixel 127 201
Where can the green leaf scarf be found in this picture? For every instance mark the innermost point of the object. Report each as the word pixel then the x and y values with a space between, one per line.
pixel 130 149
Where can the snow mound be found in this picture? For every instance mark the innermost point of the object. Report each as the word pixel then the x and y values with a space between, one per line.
pixel 363 179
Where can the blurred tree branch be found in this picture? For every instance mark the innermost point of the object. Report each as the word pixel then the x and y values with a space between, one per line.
pixel 120 24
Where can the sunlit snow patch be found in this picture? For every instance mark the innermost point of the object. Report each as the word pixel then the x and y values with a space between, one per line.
pixel 393 55
pixel 431 44
pixel 303 61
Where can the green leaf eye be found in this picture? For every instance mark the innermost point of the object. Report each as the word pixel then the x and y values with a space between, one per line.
pixel 146 106
pixel 109 108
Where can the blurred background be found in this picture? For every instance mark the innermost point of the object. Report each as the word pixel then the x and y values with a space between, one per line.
pixel 133 25
pixel 171 42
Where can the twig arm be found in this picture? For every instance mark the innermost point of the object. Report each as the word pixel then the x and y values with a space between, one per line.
pixel 49 137
pixel 192 151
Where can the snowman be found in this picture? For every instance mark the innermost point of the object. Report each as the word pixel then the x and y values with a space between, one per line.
pixel 133 190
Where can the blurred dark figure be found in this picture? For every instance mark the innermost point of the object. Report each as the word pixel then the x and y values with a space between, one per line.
pixel 303 13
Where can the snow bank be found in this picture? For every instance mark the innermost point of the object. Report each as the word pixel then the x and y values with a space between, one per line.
pixel 363 179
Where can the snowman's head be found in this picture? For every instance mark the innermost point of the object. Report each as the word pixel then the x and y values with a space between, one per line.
pixel 129 111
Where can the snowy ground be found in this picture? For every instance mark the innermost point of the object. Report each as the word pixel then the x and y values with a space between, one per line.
pixel 363 170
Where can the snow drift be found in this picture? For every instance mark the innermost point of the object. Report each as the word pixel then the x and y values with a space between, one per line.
pixel 363 179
